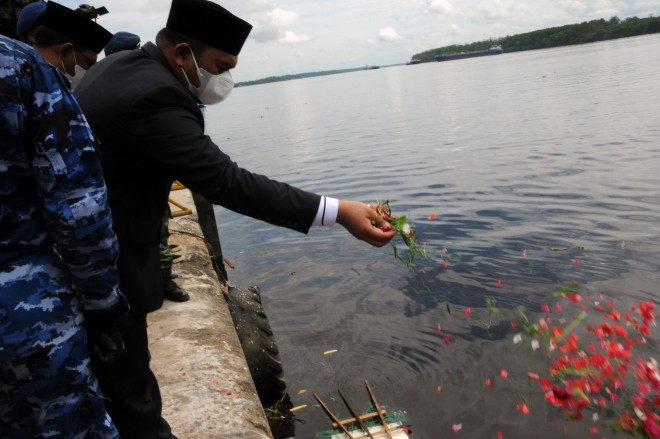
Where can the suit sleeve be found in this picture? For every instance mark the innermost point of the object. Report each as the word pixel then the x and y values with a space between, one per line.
pixel 172 137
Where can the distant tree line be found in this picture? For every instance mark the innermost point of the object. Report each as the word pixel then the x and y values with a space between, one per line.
pixel 297 76
pixel 585 32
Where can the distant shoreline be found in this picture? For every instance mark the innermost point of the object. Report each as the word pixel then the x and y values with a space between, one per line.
pixel 568 35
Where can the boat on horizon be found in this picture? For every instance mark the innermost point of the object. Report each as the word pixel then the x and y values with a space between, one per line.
pixel 495 49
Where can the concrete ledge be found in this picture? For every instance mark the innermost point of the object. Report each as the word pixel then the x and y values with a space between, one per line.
pixel 204 379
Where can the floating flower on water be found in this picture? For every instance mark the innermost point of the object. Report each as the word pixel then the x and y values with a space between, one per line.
pixel 576 261
pixel 523 408
pixel 499 283
pixel 439 389
pixel 447 339
pixel 456 427
pixel 504 373
pixel 445 264
pixel 432 216
pixel 535 344
pixel 517 338
pixel 468 311
pixel 500 435
pixel 545 307
pixel 438 328
pixel 524 253
pixel 532 375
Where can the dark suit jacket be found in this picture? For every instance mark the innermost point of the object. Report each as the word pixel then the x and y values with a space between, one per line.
pixel 150 132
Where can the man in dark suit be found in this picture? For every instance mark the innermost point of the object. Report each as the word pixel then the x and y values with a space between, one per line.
pixel 143 106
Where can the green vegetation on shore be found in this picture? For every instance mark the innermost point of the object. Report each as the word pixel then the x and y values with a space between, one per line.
pixel 585 32
pixel 298 76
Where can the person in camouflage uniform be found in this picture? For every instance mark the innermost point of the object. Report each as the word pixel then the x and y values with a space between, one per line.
pixel 57 257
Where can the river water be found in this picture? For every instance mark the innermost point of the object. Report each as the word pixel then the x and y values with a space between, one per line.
pixel 542 169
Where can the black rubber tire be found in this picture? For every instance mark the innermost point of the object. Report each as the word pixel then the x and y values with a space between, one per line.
pixel 258 342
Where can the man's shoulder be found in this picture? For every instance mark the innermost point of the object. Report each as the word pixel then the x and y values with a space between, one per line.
pixel 15 53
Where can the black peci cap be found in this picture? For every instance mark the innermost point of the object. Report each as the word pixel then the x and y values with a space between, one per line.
pixel 209 23
pixel 76 26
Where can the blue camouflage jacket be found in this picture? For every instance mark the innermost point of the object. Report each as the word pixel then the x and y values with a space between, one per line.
pixel 54 212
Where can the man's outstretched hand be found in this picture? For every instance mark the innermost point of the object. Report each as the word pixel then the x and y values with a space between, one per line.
pixel 364 223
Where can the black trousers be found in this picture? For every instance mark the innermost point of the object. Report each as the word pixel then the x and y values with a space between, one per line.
pixel 133 397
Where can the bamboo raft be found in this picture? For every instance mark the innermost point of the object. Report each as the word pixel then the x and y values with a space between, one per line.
pixel 357 428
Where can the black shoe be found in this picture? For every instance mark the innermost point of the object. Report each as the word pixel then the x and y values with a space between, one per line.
pixel 174 293
pixel 171 290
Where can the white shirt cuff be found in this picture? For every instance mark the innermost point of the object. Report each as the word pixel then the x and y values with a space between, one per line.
pixel 327 214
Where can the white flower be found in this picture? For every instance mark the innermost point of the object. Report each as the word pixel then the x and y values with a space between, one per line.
pixel 517 338
pixel 535 344
pixel 406 229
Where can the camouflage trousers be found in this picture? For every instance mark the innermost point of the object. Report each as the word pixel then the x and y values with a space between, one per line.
pixel 166 257
pixel 47 389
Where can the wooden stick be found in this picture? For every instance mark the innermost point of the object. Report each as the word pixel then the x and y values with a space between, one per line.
pixel 364 417
pixel 333 417
pixel 356 416
pixel 382 418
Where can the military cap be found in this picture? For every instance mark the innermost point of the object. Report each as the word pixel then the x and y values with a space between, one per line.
pixel 122 41
pixel 209 23
pixel 76 26
pixel 30 17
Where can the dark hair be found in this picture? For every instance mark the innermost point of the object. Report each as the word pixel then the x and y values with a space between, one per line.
pixel 46 37
pixel 168 38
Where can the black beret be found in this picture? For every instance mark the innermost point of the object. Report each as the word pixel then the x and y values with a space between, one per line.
pixel 76 26
pixel 30 17
pixel 209 23
pixel 122 41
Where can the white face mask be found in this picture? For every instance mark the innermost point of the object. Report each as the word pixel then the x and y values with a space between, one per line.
pixel 78 72
pixel 213 88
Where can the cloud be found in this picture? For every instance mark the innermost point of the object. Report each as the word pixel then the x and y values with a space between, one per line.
pixel 388 34
pixel 281 18
pixel 440 6
pixel 275 25
pixel 290 38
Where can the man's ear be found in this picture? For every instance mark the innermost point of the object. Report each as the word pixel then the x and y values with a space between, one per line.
pixel 64 50
pixel 182 52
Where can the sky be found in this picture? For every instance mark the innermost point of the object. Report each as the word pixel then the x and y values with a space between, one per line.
pixel 298 36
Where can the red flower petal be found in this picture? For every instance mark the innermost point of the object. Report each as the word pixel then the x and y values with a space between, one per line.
pixel 523 408
pixel 432 216
pixel 499 283
pixel 504 373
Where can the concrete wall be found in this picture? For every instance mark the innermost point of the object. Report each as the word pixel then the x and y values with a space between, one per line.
pixel 204 379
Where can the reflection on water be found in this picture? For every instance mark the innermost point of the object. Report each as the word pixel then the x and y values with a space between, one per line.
pixel 553 153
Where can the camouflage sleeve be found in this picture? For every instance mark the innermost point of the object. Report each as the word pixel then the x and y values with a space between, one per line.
pixel 71 186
